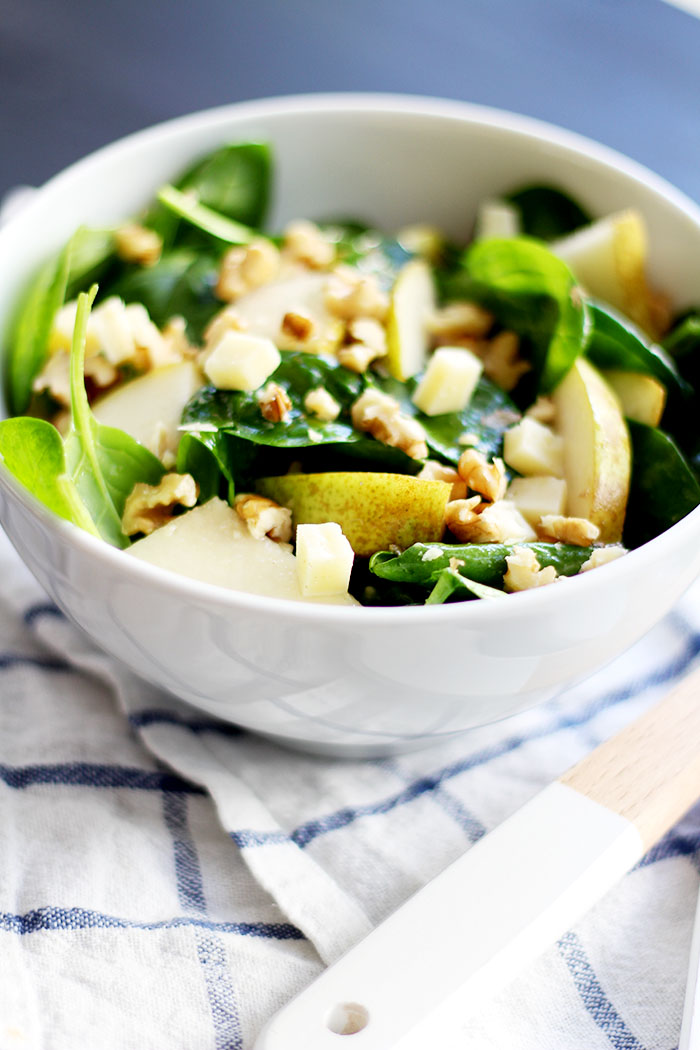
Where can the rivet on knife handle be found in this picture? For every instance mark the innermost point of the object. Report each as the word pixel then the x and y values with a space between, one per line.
pixel 471 929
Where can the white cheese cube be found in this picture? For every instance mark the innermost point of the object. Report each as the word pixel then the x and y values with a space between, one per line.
pixel 324 559
pixel 241 362
pixel 532 448
pixel 496 218
pixel 536 496
pixel 109 323
pixel 448 382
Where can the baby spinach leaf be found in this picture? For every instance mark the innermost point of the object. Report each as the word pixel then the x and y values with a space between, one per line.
pixel 92 252
pixel 211 222
pixel 617 342
pixel 104 463
pixel 480 562
pixel 489 413
pixel 208 458
pixel 533 292
pixel 32 450
pixel 234 180
pixel 663 488
pixel 451 586
pixel 32 327
pixel 547 212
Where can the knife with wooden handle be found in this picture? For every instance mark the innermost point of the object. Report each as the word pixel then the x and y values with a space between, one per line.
pixel 469 931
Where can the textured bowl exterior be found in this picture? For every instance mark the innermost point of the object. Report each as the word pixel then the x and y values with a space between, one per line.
pixel 337 680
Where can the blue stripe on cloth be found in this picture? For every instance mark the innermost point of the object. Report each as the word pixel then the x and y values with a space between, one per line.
pixel 41 663
pixel 156 716
pixel 599 1007
pixel 35 612
pixel 306 833
pixel 86 774
pixel 52 918
pixel 211 951
pixel 470 825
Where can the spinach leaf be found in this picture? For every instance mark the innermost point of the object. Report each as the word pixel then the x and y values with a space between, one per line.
pixel 663 488
pixel 480 562
pixel 208 457
pixel 92 253
pixel 533 292
pixel 211 222
pixel 547 212
pixel 489 413
pixel 617 342
pixel 32 450
pixel 104 463
pixel 451 586
pixel 233 180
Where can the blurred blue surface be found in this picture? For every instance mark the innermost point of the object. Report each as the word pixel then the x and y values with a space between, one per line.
pixel 75 74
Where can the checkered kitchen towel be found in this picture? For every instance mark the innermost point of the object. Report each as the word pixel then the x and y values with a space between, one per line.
pixel 167 881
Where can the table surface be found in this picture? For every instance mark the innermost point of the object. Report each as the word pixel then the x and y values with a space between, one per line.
pixel 75 75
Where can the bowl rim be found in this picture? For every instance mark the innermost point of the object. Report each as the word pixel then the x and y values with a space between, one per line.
pixel 641 559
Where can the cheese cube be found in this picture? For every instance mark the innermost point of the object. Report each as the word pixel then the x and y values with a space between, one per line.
pixel 448 382
pixel 506 520
pixel 532 448
pixel 241 362
pixel 324 559
pixel 496 218
pixel 536 496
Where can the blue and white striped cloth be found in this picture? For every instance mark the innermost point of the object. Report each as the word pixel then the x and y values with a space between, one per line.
pixel 167 882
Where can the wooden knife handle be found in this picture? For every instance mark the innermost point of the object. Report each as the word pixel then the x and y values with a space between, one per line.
pixel 650 771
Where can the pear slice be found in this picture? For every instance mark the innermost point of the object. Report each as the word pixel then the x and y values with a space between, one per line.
pixel 149 408
pixel 212 544
pixel 597 455
pixel 643 397
pixel 262 312
pixel 609 258
pixel 411 306
pixel 374 510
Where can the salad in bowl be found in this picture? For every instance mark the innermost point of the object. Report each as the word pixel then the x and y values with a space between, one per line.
pixel 337 413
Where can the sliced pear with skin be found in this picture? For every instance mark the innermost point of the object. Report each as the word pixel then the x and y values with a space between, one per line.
pixel 374 510
pixel 643 397
pixel 149 408
pixel 609 258
pixel 213 545
pixel 262 312
pixel 597 455
pixel 411 305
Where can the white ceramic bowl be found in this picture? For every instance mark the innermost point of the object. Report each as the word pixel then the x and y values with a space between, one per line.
pixel 349 681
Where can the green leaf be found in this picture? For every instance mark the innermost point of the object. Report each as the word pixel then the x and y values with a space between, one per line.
pixel 204 218
pixel 92 252
pixel 532 292
pixel 483 563
pixel 663 488
pixel 368 250
pixel 32 450
pixel 489 413
pixel 547 212
pixel 617 342
pixel 451 586
pixel 233 180
pixel 104 463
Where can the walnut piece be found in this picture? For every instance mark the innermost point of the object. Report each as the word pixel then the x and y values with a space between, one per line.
pixel 297 326
pixel 502 361
pixel 380 415
pixel 488 479
pixel 274 403
pixel 580 532
pixel 305 243
pixel 264 517
pixel 460 320
pixel 245 267
pixel 524 571
pixel 138 244
pixel 435 471
pixel 499 522
pixel 350 295
pixel 603 555
pixel 148 507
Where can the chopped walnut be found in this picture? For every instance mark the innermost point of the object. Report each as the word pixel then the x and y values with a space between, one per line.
pixel 356 358
pixel 175 335
pixel 304 242
pixel 54 377
pixel 381 416
pixel 578 531
pixel 297 326
pixel 502 361
pixel 351 295
pixel 150 348
pixel 274 403
pixel 499 522
pixel 435 471
pixel 100 371
pixel 369 332
pixel 150 506
pixel 524 571
pixel 603 555
pixel 138 244
pixel 322 404
pixel 264 517
pixel 460 320
pixel 488 479
pixel 245 267
pixel 542 410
